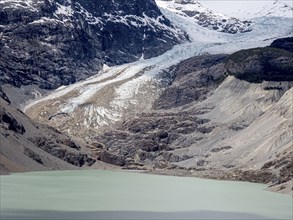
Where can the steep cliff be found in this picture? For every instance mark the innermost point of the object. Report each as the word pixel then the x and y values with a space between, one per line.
pixel 52 43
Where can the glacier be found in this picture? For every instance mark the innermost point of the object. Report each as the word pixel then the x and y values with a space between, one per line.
pixel 118 92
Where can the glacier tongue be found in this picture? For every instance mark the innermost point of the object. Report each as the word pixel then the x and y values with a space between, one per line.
pixel 122 91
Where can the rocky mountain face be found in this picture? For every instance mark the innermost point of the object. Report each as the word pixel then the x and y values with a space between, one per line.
pixel 50 43
pixel 257 65
pixel 149 137
pixel 26 145
pixel 222 116
pixel 284 43
pixel 206 17
pixel 208 121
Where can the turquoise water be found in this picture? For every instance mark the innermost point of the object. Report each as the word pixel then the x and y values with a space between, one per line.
pixel 123 195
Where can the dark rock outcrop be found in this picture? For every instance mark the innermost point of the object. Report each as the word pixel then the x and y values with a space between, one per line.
pixel 52 147
pixel 4 96
pixel 27 146
pixel 54 43
pixel 283 43
pixel 193 79
pixel 259 64
pixel 112 158
pixel 284 166
pixel 258 176
pixel 33 155
pixel 8 122
pixel 218 149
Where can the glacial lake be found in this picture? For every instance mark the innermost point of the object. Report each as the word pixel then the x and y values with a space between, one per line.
pixel 98 194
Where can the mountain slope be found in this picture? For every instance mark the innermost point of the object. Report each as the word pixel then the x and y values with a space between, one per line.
pixel 259 64
pixel 28 146
pixel 206 17
pixel 121 91
pixel 204 121
pixel 197 108
pixel 230 129
pixel 53 43
pixel 251 9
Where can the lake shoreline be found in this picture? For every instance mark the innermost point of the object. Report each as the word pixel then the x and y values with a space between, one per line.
pixel 239 176
pixel 123 194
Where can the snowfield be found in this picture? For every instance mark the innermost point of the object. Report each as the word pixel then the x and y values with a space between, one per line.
pixel 251 9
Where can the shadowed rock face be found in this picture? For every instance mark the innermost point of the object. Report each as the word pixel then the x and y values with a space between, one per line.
pixel 4 96
pixel 273 63
pixel 193 79
pixel 54 43
pixel 284 43
pixel 7 120
pixel 26 145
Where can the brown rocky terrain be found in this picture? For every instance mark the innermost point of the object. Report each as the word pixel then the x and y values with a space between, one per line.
pixel 216 116
pixel 152 136
pixel 28 146
pixel 209 124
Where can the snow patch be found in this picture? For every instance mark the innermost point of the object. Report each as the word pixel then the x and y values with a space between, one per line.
pixel 45 20
pixel 64 10
pixel 27 4
pixel 205 17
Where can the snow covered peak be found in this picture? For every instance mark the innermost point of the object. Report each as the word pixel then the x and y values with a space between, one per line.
pixel 205 17
pixel 244 9
pixel 276 9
